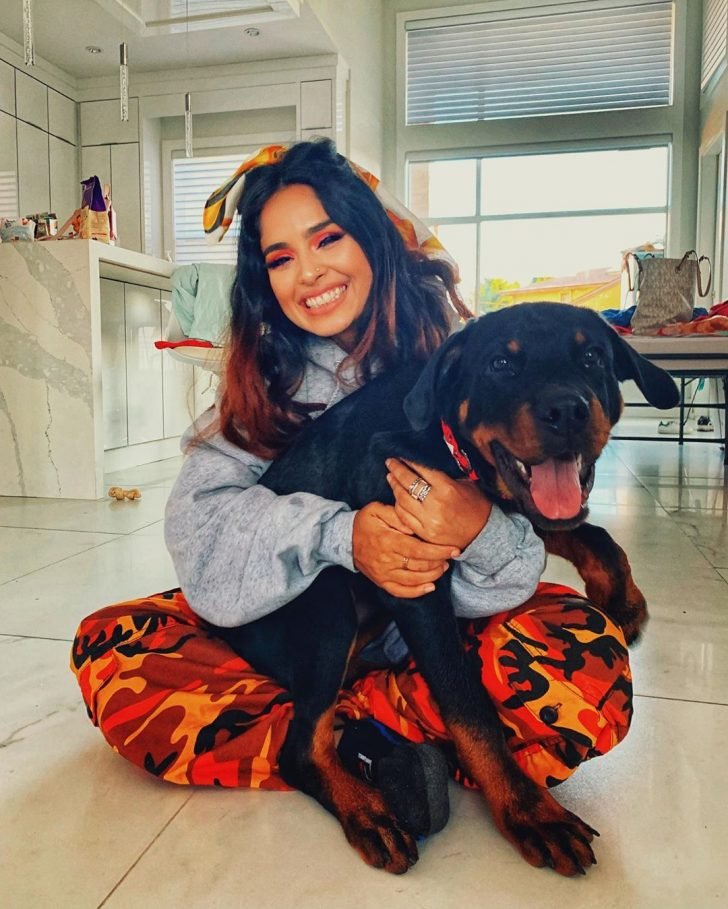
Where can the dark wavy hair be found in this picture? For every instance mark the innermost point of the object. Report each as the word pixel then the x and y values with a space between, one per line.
pixel 407 315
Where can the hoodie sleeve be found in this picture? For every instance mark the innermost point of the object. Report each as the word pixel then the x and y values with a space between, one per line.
pixel 240 550
pixel 500 569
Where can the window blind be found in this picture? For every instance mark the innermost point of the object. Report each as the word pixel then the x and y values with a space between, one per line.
pixel 8 194
pixel 715 38
pixel 194 179
pixel 567 59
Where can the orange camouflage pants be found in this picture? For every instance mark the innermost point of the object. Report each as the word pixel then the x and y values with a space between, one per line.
pixel 172 698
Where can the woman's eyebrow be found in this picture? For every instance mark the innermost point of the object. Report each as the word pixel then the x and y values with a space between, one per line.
pixel 310 231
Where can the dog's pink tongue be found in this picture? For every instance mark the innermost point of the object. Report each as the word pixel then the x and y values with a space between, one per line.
pixel 556 489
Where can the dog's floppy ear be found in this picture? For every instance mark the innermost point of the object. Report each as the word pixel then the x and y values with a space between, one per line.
pixel 420 404
pixel 655 384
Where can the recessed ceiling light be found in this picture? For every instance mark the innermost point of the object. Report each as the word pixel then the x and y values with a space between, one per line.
pixel 252 32
pixel 92 49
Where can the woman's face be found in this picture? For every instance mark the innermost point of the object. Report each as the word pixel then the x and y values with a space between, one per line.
pixel 318 272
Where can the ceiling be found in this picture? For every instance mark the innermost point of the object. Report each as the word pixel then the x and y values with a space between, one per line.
pixel 62 29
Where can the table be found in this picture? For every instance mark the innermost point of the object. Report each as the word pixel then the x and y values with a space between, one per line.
pixel 687 357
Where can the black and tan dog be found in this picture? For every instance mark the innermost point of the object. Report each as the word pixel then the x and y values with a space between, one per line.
pixel 529 394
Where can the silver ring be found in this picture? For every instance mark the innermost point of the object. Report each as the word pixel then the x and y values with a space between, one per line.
pixel 413 486
pixel 423 493
pixel 405 563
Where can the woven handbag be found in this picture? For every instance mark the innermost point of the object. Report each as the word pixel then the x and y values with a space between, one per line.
pixel 666 290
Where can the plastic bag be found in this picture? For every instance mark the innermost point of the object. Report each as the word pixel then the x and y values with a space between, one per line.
pixel 92 195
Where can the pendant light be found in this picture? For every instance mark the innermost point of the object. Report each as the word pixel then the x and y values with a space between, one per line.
pixel 28 49
pixel 123 81
pixel 188 125
pixel 188 96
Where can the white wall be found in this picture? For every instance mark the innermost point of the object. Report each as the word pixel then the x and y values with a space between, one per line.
pixel 356 28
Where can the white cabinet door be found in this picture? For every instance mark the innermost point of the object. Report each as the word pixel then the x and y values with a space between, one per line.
pixel 95 162
pixel 62 117
pixel 143 364
pixel 65 188
pixel 101 125
pixel 316 105
pixel 34 182
pixel 7 87
pixel 126 194
pixel 31 98
pixel 113 364
pixel 178 381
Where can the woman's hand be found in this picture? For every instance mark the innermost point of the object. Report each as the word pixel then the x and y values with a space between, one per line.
pixel 388 553
pixel 451 512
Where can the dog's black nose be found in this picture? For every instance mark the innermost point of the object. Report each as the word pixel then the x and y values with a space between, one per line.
pixel 563 413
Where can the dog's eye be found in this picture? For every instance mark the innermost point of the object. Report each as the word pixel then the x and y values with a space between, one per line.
pixel 501 364
pixel 593 357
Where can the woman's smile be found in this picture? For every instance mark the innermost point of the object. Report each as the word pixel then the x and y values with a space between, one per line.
pixel 327 297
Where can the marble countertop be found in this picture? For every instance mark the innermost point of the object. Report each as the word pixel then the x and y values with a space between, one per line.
pixel 111 261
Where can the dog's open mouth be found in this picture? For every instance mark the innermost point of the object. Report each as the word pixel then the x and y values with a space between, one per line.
pixel 552 492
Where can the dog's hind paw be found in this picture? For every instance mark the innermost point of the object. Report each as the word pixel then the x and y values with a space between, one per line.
pixel 380 841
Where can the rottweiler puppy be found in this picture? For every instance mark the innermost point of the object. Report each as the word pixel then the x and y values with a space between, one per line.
pixel 523 400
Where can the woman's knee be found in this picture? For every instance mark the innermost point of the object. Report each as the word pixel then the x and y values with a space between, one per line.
pixel 558 671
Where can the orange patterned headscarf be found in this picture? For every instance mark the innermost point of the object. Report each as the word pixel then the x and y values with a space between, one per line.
pixel 220 208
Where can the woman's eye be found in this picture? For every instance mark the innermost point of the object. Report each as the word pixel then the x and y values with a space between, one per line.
pixel 593 356
pixel 329 239
pixel 276 263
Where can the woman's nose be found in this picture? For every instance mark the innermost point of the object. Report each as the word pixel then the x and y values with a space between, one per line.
pixel 311 270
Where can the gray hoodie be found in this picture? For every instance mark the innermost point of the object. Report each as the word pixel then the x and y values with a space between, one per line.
pixel 241 551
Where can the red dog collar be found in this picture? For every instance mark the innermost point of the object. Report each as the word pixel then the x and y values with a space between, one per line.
pixel 461 459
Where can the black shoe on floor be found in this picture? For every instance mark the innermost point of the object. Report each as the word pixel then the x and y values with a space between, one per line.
pixel 413 778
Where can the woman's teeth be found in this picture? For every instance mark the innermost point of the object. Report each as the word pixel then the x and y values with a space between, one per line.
pixel 323 299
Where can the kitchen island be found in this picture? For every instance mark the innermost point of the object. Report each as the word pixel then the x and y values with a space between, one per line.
pixel 54 357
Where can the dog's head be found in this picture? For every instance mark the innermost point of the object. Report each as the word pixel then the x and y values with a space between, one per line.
pixel 532 392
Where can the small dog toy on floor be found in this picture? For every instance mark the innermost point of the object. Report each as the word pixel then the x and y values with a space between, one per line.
pixel 116 492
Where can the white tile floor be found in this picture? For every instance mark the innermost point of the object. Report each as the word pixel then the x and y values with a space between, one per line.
pixel 79 827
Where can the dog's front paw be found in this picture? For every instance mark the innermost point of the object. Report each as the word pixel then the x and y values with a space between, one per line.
pixel 377 837
pixel 548 835
pixel 630 614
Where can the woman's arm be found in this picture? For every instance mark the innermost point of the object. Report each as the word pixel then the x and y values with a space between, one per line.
pixel 240 550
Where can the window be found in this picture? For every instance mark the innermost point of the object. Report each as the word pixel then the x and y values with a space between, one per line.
pixel 193 180
pixel 544 226
pixel 522 62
